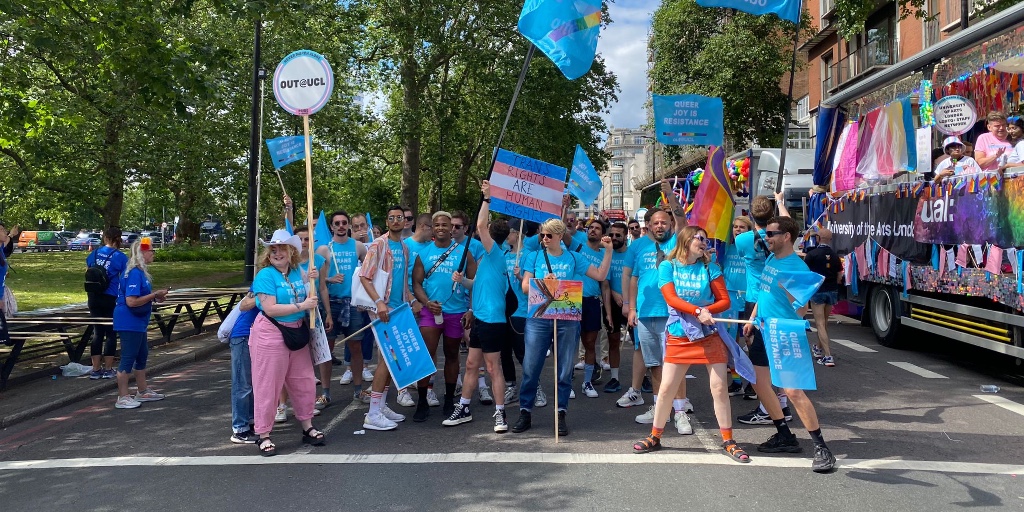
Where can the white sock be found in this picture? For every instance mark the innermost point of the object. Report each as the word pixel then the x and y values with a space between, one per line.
pixel 481 382
pixel 464 401
pixel 655 401
pixel 678 404
pixel 499 407
pixel 615 373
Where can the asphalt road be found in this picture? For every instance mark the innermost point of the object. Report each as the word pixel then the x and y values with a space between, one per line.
pixel 913 436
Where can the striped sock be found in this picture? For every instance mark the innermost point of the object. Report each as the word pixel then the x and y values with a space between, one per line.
pixel 376 399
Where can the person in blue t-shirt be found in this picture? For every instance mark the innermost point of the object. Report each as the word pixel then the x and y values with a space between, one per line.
pixel 7 241
pixel 614 319
pixel 131 321
pixel 773 301
pixel 101 305
pixel 515 254
pixel 326 314
pixel 553 263
pixel 590 325
pixel 460 233
pixel 242 431
pixel 490 331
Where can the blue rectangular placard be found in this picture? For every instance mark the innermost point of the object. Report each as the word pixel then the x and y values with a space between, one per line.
pixel 688 120
pixel 584 182
pixel 789 355
pixel 285 150
pixel 402 347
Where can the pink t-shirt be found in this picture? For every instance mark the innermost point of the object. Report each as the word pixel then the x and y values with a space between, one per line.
pixel 990 145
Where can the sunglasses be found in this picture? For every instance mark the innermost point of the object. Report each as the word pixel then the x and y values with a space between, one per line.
pixel 409 217
pixel 616 235
pixel 701 239
pixel 457 226
pixel 547 235
pixel 340 223
pixel 769 234
pixel 398 217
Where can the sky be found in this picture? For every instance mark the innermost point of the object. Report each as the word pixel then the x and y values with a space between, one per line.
pixel 623 44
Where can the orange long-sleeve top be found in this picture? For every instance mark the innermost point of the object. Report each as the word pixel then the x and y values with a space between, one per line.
pixel 721 304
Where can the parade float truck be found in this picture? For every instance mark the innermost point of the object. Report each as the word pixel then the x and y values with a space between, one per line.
pixel 944 259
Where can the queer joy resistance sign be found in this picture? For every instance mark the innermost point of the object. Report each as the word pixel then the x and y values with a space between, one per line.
pixel 526 188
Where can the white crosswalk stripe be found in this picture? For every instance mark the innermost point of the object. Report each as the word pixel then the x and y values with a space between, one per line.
pixel 854 346
pixel 917 370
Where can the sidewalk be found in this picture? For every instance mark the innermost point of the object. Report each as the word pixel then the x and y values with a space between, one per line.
pixel 40 396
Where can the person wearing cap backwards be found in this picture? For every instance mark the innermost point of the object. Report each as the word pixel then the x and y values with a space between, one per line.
pixel 958 163
pixel 131 321
pixel 281 294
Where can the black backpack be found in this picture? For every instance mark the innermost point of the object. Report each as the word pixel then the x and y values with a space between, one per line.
pixel 96 279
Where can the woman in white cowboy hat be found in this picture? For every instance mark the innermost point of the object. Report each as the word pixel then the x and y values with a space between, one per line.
pixel 282 299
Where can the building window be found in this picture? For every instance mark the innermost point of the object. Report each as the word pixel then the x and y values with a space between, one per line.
pixel 617 178
pixel 617 140
pixel 616 152
pixel 799 138
pixel 827 70
pixel 616 203
pixel 616 190
pixel 802 111
pixel 639 139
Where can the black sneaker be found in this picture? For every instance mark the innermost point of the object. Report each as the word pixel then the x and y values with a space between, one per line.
pixel 736 388
pixel 250 437
pixel 422 411
pixel 335 361
pixel 448 406
pixel 824 461
pixel 563 427
pixel 500 423
pixel 598 372
pixel 749 393
pixel 755 417
pixel 646 387
pixel 459 416
pixel 613 386
pixel 524 422
pixel 779 444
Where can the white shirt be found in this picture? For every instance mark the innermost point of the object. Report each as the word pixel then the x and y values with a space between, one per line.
pixel 965 165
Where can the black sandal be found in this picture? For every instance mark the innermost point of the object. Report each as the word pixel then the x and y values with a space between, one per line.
pixel 266 447
pixel 313 436
pixel 733 450
pixel 647 445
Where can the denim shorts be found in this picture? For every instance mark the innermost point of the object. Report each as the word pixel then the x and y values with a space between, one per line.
pixel 650 333
pixel 826 298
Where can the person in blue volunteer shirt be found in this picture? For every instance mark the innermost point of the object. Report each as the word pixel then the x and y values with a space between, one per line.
pixel 281 294
pixel 513 350
pixel 772 301
pixel 735 272
pixel 242 431
pixel 460 230
pixel 131 321
pixel 553 262
pixel 614 319
pixel 590 325
pixel 446 302
pixel 101 305
pixel 490 330
pixel 320 264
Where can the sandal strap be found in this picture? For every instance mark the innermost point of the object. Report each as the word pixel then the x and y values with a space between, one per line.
pixel 313 432
pixel 265 443
pixel 648 442
pixel 733 449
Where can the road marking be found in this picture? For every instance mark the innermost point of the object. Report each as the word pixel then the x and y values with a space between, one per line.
pixel 715 459
pixel 917 370
pixel 854 346
pixel 1009 405
pixel 707 440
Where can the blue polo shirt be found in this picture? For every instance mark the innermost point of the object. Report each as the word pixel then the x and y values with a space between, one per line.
pixel 287 289
pixel 135 284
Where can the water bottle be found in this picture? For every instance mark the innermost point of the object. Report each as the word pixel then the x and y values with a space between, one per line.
pixel 989 388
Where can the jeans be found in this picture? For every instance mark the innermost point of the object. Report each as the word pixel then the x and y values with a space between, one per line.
pixel 241 385
pixel 538 339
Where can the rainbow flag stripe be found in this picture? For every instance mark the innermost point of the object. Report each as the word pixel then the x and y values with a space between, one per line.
pixel 713 203
pixel 577 25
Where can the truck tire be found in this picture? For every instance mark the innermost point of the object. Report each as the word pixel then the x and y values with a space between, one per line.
pixel 883 310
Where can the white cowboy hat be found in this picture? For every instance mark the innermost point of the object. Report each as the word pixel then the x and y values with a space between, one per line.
pixel 283 237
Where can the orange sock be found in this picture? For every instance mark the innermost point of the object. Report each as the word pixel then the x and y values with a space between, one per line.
pixel 656 432
pixel 726 434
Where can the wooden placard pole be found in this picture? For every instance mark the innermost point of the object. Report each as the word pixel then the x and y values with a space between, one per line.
pixel 309 211
pixel 554 353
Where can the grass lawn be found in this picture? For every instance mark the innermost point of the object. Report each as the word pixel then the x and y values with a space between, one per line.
pixel 56 278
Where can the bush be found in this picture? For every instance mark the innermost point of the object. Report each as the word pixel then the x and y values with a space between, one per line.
pixel 188 252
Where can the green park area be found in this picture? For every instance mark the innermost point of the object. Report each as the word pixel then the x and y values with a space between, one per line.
pixel 46 280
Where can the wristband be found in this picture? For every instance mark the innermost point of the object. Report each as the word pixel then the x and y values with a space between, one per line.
pixel 378 300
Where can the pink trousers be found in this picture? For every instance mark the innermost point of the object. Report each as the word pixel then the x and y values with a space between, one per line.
pixel 274 367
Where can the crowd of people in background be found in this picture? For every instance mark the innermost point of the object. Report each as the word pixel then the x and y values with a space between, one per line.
pixel 999 149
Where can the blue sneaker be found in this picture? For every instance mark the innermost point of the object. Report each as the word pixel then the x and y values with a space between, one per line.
pixel 109 373
pixel 646 387
pixel 96 375
pixel 612 386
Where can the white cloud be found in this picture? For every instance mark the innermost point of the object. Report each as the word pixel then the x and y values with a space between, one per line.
pixel 623 44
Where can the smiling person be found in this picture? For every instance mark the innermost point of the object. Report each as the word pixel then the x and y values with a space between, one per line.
pixel 992 149
pixel 281 296
pixel 131 321
pixel 957 163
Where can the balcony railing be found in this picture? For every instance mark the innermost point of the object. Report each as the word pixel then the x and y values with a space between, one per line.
pixel 870 57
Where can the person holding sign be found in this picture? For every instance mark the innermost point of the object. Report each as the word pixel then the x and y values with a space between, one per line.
pixel 694 289
pixel 773 301
pixel 957 163
pixel 552 261
pixel 446 308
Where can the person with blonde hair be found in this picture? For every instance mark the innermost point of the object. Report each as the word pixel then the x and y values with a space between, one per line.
pixel 284 304
pixel 131 321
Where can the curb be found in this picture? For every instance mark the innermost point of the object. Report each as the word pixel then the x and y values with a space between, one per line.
pixel 199 355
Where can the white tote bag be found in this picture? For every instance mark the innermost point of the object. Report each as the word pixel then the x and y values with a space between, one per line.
pixel 10 303
pixel 359 296
pixel 224 332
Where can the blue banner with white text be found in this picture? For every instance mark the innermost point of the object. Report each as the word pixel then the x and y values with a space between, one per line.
pixel 786 9
pixel 402 347
pixel 688 120
pixel 285 150
pixel 789 356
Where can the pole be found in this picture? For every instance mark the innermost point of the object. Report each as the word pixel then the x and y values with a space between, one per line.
pixel 512 104
pixel 309 210
pixel 254 156
pixel 789 109
pixel 522 235
pixel 554 353
pixel 965 13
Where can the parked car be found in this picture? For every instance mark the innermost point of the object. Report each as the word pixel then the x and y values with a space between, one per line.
pixel 85 244
pixel 128 238
pixel 41 241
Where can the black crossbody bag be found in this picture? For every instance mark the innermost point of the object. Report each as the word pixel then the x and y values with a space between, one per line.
pixel 295 338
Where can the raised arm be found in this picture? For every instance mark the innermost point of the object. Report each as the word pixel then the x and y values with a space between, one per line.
pixel 483 216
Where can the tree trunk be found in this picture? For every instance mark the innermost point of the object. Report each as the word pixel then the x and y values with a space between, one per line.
pixel 411 95
pixel 188 228
pixel 111 169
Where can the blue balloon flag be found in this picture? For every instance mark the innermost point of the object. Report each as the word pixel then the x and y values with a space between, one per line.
pixel 789 355
pixel 785 9
pixel 565 30
pixel 369 228
pixel 801 286
pixel 688 120
pixel 285 150
pixel 322 233
pixel 584 182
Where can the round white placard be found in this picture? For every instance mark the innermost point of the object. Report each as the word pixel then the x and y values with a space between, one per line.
pixel 303 82
pixel 954 115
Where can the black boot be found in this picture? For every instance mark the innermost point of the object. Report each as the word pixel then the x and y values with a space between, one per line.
pixel 422 407
pixel 563 428
pixel 524 423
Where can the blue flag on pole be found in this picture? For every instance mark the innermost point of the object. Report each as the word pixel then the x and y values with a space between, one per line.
pixel 789 355
pixel 584 182
pixel 785 9
pixel 565 30
pixel 369 228
pixel 322 233
pixel 801 286
pixel 285 150
pixel 288 226
pixel 688 120
pixel 402 348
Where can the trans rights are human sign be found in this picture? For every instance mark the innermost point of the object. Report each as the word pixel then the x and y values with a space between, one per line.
pixel 526 188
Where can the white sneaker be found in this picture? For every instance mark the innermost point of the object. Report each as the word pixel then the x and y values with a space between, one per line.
pixel 646 418
pixel 588 389
pixel 405 399
pixel 346 378
pixel 377 421
pixel 683 425
pixel 486 397
pixel 581 365
pixel 432 398
pixel 687 406
pixel 126 402
pixel 605 366
pixel 391 415
pixel 511 394
pixel 281 415
pixel 148 395
pixel 541 400
pixel 367 375
pixel 548 354
pixel 631 398
pixel 572 394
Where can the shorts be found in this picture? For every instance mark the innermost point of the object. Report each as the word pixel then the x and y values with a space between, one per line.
pixel 651 335
pixel 826 298
pixel 617 320
pixel 134 351
pixel 488 337
pixel 356 320
pixel 592 314
pixel 709 350
pixel 757 352
pixel 451 323
pixel 748 308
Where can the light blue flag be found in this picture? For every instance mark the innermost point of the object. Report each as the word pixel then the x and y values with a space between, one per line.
pixel 785 9
pixel 369 228
pixel 789 355
pixel 322 233
pixel 584 182
pixel 801 286
pixel 402 348
pixel 288 226
pixel 285 150
pixel 688 120
pixel 565 30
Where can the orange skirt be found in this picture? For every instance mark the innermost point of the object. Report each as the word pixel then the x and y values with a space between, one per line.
pixel 708 350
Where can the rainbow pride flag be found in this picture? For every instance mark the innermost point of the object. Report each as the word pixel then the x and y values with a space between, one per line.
pixel 713 203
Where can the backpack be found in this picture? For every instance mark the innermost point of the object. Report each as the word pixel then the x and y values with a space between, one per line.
pixel 96 279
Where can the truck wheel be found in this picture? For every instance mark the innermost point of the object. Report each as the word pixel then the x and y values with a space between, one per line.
pixel 1017 335
pixel 883 311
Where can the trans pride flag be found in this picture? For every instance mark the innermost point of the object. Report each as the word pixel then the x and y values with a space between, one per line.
pixel 713 204
pixel 565 30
